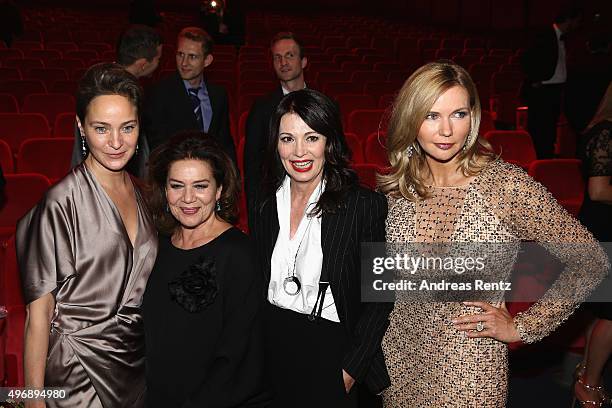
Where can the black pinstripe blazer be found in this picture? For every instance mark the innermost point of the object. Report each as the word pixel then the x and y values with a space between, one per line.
pixel 362 219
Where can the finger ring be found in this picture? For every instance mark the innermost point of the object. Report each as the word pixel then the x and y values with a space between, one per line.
pixel 480 326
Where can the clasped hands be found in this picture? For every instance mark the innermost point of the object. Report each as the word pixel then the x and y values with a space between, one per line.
pixel 495 322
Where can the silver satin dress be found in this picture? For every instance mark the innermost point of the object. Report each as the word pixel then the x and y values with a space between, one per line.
pixel 74 245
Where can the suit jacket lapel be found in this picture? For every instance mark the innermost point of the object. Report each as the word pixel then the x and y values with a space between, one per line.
pixel 183 104
pixel 214 105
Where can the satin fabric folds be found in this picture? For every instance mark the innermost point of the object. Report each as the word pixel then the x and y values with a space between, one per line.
pixel 74 245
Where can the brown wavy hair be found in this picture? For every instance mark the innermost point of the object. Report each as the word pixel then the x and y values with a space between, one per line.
pixel 184 146
pixel 414 100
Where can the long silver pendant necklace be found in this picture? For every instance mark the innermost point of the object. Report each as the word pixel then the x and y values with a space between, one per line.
pixel 291 284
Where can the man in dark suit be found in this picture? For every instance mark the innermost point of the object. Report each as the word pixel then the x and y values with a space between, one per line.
pixel 185 100
pixel 544 63
pixel 289 62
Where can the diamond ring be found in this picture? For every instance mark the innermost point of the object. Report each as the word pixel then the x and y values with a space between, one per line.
pixel 480 326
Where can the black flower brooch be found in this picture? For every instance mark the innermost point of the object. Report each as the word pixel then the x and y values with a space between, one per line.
pixel 196 287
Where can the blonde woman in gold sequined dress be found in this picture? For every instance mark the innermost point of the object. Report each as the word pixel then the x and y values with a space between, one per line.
pixel 445 185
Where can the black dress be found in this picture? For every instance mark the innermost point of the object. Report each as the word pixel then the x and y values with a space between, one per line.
pixel 596 155
pixel 201 317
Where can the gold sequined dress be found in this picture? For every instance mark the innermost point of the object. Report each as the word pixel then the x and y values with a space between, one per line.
pixel 431 363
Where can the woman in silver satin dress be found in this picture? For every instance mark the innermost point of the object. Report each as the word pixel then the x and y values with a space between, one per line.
pixel 85 253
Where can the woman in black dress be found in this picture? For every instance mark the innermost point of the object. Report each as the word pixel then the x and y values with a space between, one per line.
pixel 596 214
pixel 323 345
pixel 201 304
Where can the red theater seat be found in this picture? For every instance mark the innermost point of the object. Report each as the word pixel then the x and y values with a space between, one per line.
pixel 7 73
pixel 64 125
pixel 61 46
pixel 47 75
pixel 513 145
pixel 351 102
pixel 84 55
pixel 65 87
pixel 362 122
pixel 368 76
pixel 17 127
pixel 356 147
pixel 10 53
pixel 378 88
pixel 8 103
pixel 367 173
pixel 6 158
pixel 486 122
pixel 563 178
pixel 44 55
pixel 47 156
pixel 22 192
pixel 23 64
pixel 20 88
pixel 68 64
pixel 261 87
pixel 50 105
pixel 375 149
pixel 242 126
pixel 342 87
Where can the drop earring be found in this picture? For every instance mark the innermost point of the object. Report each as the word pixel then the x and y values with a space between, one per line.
pixel 410 151
pixel 136 152
pixel 83 147
pixel 218 206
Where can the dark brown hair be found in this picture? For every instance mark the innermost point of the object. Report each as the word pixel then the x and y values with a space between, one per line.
pixel 198 146
pixel 322 115
pixel 107 79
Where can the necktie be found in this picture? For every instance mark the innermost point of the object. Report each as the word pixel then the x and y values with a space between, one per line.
pixel 197 108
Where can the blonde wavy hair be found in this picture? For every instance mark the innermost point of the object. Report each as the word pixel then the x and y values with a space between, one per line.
pixel 413 102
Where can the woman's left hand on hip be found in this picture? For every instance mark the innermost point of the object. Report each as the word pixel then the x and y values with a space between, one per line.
pixel 495 322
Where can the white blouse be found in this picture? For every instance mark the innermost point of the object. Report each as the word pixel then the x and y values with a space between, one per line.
pixel 303 253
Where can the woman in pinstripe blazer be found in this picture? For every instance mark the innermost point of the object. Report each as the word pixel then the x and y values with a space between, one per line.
pixel 310 218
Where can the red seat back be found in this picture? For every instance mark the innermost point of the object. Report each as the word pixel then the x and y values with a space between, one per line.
pixel 8 103
pixel 20 89
pixel 21 193
pixel 6 158
pixel 363 122
pixel 49 156
pixel 356 148
pixel 563 178
pixel 367 173
pixel 17 127
pixel 64 125
pixel 7 73
pixel 49 105
pixel 376 150
pixel 513 145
